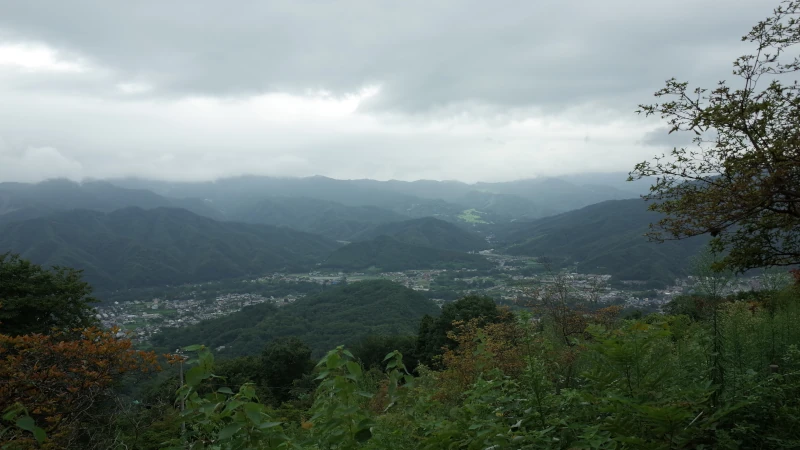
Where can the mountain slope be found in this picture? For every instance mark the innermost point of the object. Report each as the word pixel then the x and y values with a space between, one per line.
pixel 330 219
pixel 607 237
pixel 133 247
pixel 391 255
pixel 427 232
pixel 19 201
pixel 338 316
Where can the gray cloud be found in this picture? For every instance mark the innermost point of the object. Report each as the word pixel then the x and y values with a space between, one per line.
pixel 426 55
pixel 661 137
pixel 467 89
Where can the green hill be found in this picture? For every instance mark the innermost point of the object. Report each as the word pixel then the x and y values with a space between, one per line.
pixel 607 237
pixel 20 201
pixel 428 232
pixel 339 316
pixel 136 248
pixel 391 255
pixel 330 219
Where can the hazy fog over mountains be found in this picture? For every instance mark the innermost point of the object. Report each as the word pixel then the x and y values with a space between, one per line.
pixel 278 201
pixel 133 232
pixel 381 133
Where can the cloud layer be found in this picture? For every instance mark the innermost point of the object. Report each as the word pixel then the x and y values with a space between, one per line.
pixel 451 89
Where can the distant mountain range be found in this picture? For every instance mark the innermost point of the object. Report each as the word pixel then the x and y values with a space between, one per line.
pixel 339 316
pixel 133 247
pixel 135 233
pixel 606 237
pixel 443 199
pixel 330 219
pixel 427 232
pixel 318 204
pixel 19 201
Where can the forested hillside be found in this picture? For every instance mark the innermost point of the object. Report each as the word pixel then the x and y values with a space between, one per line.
pixel 607 237
pixel 135 248
pixel 389 254
pixel 19 201
pixel 427 232
pixel 327 218
pixel 342 314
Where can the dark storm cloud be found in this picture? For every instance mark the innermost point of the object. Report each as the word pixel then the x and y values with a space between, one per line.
pixel 426 55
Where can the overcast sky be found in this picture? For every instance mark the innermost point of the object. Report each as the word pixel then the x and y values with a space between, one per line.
pixel 468 90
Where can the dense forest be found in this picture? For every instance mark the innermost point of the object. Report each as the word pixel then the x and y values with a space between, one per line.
pixel 427 232
pixel 330 219
pixel 711 371
pixel 342 314
pixel 605 238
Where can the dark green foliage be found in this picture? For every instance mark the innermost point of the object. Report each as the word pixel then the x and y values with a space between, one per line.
pixel 230 417
pixel 606 238
pixel 343 314
pixel 35 300
pixel 432 336
pixel 698 307
pixel 738 180
pixel 283 361
pixel 390 255
pixel 136 248
pixel 243 370
pixel 277 374
pixel 428 232
pixel 371 350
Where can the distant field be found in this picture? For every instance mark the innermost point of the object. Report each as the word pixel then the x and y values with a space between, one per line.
pixel 472 216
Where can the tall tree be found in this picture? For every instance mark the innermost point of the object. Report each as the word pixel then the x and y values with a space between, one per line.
pixel 283 361
pixel 740 179
pixel 36 300
pixel 433 332
pixel 65 382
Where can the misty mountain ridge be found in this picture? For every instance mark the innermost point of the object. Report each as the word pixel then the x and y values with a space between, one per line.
pixel 502 201
pixel 259 199
pixel 26 201
pixel 391 225
pixel 607 237
pixel 134 247
pixel 427 232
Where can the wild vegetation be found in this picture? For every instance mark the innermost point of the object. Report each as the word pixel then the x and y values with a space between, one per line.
pixel 341 314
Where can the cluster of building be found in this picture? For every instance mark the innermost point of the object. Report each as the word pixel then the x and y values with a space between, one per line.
pixel 143 318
